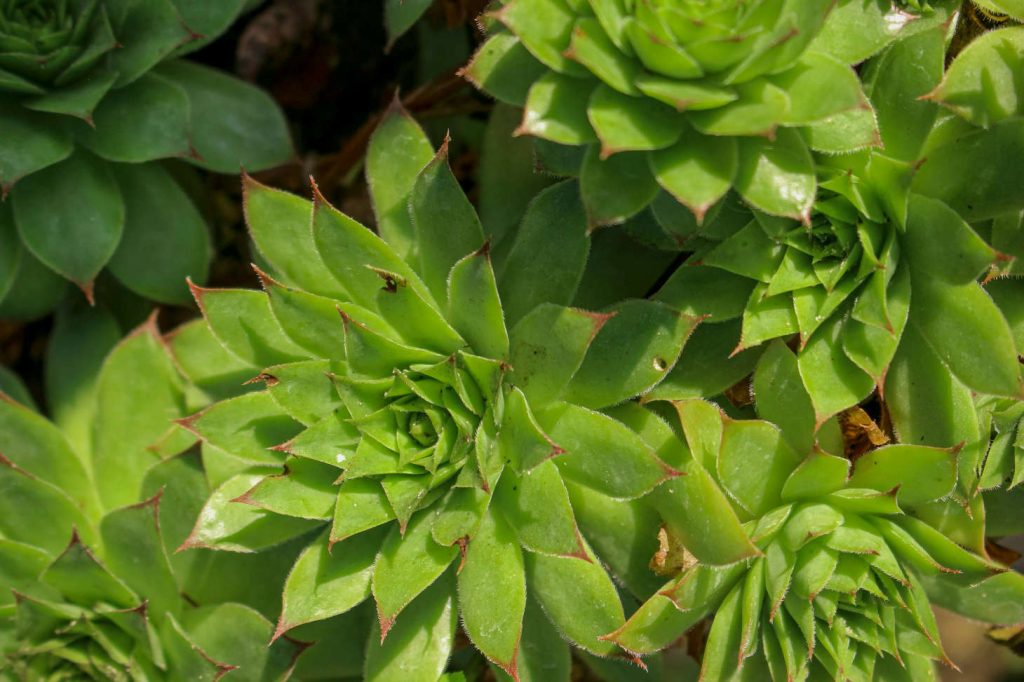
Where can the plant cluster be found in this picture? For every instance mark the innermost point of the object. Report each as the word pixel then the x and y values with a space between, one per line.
pixel 726 350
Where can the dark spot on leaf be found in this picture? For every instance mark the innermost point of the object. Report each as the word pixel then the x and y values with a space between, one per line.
pixel 660 364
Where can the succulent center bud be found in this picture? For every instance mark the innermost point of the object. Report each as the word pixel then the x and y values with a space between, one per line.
pixel 36 25
pixel 421 429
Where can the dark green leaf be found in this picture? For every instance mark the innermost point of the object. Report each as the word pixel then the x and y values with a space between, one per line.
pixel 71 216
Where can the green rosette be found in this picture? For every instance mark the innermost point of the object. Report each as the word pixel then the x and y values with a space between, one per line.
pixel 810 565
pixel 427 427
pixel 92 95
pixel 687 98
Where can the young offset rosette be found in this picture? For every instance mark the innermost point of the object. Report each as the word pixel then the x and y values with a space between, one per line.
pixel 811 566
pixel 89 91
pixel 685 96
pixel 427 439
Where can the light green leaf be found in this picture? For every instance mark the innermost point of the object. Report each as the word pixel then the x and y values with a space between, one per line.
pixel 418 646
pixel 361 505
pixel 545 27
pixel 543 654
pixel 398 151
pixel 624 123
pixel 983 83
pixel 492 591
pixel 895 80
pixel 306 490
pixel 138 394
pixel 279 224
pixel 938 242
pixel 623 533
pixel 546 265
pixel 134 550
pixel 966 330
pixel 328 580
pixel 504 68
pixel 83 581
pixel 781 398
pixel 547 347
pixel 237 635
pixel 602 453
pixel 615 188
pixel 706 366
pixel 408 564
pixel 537 506
pixel 36 512
pixel 242 321
pixel 474 307
pixel 832 380
pixel 698 170
pixel 447 227
pixel 990 158
pixel 247 426
pixel 226 524
pixel 34 445
pixel 698 290
pixel 777 177
pixel 921 473
pixel 754 463
pixel 579 598
pixel 631 353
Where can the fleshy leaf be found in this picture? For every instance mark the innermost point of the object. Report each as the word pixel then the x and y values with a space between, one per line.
pixel 228 525
pixel 409 563
pixel 602 453
pixel 71 216
pixel 398 151
pixel 537 506
pixel 921 473
pixel 545 265
pixel 326 581
pixel 474 307
pixel 492 591
pixel 547 348
pixel 579 598
pixel 630 354
pixel 417 647
pixel 280 224
pixel 447 227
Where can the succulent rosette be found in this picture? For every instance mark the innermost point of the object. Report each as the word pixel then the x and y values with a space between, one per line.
pixel 89 90
pixel 866 287
pixel 811 566
pixel 419 429
pixel 89 594
pixel 689 98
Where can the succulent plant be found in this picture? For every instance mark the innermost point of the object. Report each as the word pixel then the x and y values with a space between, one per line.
pixel 692 98
pixel 90 89
pixel 813 566
pixel 89 595
pixel 420 424
pixel 878 270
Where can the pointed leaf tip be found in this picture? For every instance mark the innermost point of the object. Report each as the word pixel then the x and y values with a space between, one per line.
pixel 266 281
